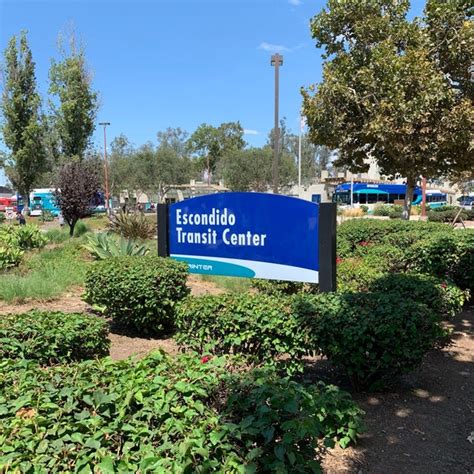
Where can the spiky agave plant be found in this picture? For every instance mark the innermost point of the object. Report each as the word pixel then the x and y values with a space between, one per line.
pixel 131 226
pixel 105 245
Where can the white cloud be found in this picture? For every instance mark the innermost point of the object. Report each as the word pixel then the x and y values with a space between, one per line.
pixel 248 131
pixel 294 2
pixel 273 48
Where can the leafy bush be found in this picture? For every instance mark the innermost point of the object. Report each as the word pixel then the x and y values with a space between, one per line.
pixel 396 212
pixel 442 297
pixel 80 229
pixel 354 274
pixel 387 258
pixel 259 326
pixel 2 217
pixel 280 287
pixel 259 402
pixel 445 255
pixel 140 292
pixel 446 214
pixel 160 414
pixel 10 256
pixel 132 226
pixel 365 209
pixel 351 233
pixel 374 337
pixel 52 337
pixel 25 237
pixel 104 245
pixel 382 209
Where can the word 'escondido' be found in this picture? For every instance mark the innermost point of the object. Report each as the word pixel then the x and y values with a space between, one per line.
pixel 215 217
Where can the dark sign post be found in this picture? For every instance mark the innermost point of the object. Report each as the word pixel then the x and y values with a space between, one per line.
pixel 253 235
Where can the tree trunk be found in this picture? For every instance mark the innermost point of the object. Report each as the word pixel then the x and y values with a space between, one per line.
pixel 72 224
pixel 411 181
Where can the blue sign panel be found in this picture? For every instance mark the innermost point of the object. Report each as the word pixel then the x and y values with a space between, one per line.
pixel 251 235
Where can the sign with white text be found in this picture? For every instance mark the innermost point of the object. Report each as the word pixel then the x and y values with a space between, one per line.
pixel 251 235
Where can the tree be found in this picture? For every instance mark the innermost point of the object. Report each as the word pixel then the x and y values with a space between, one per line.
pixel 174 138
pixel 212 143
pixel 251 169
pixel 22 128
pixel 385 94
pixel 77 184
pixel 76 108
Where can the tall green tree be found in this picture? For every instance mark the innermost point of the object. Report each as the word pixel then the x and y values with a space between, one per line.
pixel 75 107
pixel 386 94
pixel 251 169
pixel 173 138
pixel 22 127
pixel 211 144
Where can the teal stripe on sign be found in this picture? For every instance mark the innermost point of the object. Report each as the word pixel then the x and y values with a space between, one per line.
pixel 213 267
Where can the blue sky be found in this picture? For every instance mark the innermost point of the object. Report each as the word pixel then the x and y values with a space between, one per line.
pixel 179 63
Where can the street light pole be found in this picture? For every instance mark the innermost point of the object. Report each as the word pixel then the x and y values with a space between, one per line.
pixel 106 172
pixel 299 153
pixel 276 61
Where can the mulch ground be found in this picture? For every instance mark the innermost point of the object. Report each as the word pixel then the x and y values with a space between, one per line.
pixel 425 424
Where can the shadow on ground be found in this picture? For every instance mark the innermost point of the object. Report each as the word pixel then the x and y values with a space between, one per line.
pixel 422 425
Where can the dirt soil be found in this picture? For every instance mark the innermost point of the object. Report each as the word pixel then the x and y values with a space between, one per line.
pixel 425 424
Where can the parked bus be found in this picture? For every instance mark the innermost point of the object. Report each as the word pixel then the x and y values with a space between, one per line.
pixel 388 193
pixel 43 200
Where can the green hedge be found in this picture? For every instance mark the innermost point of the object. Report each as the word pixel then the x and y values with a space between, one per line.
pixel 258 326
pixel 445 255
pixel 53 337
pixel 162 414
pixel 374 337
pixel 441 296
pixel 352 233
pixel 140 292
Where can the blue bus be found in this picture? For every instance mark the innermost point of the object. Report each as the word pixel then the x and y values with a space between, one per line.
pixel 388 193
pixel 44 200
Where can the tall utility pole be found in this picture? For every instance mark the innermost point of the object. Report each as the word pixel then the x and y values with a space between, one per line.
pixel 106 171
pixel 302 122
pixel 277 61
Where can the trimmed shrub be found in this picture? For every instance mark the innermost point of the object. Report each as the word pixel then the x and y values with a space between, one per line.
pixel 386 258
pixel 162 414
pixel 443 297
pixel 354 274
pixel 258 326
pixel 396 212
pixel 382 210
pixel 53 337
pixel 140 292
pixel 351 233
pixel 445 255
pixel 374 337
